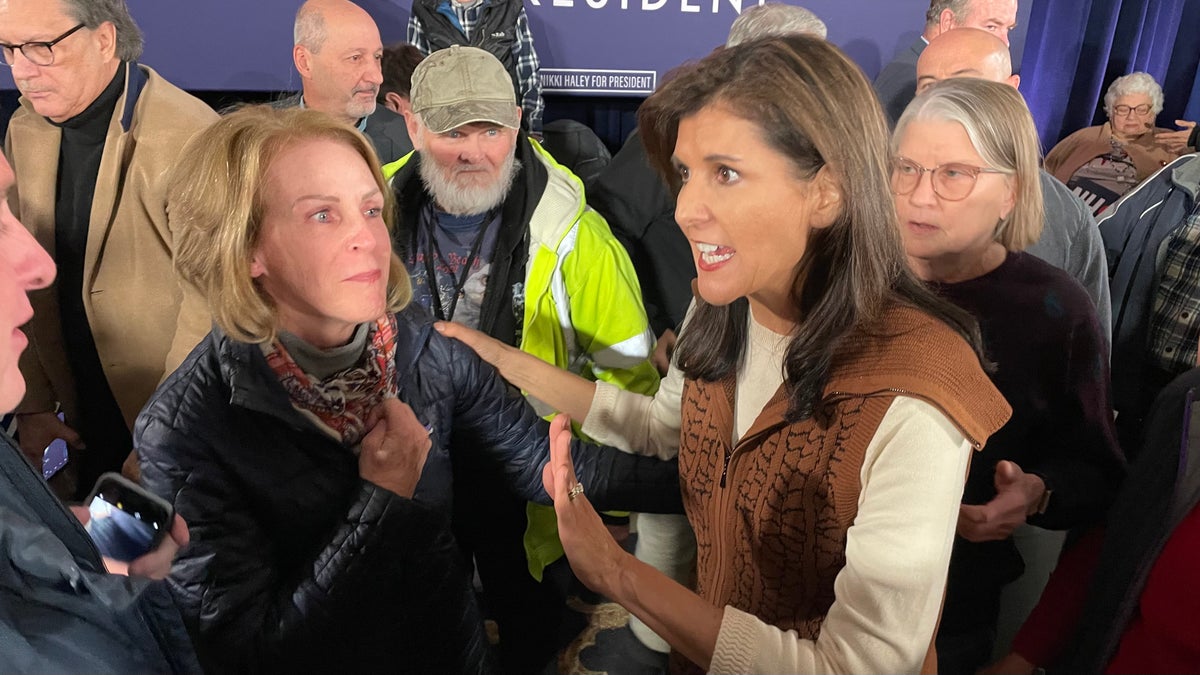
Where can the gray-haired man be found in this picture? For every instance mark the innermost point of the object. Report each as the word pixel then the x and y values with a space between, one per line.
pixel 90 145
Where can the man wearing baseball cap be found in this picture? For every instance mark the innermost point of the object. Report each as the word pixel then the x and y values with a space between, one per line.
pixel 497 236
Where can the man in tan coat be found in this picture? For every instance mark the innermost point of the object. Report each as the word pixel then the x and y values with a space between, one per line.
pixel 91 144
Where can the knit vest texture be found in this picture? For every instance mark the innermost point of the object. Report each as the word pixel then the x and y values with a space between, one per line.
pixel 496 32
pixel 771 513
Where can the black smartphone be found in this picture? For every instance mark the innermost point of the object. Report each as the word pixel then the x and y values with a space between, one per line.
pixel 126 521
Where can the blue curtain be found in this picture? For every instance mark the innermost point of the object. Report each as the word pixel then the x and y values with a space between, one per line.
pixel 613 118
pixel 1076 48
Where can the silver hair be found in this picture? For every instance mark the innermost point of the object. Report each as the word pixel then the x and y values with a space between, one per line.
pixel 1001 129
pixel 958 7
pixel 1134 83
pixel 309 30
pixel 92 13
pixel 763 21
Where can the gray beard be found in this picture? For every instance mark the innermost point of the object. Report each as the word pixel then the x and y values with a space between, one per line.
pixel 357 111
pixel 458 200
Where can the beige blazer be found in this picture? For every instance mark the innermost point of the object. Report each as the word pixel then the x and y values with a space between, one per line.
pixel 143 318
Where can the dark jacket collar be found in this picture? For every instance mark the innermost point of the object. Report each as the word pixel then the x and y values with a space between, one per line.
pixel 252 383
pixel 135 82
pixel 254 386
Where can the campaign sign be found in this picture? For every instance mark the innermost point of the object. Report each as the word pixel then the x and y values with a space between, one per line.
pixel 580 81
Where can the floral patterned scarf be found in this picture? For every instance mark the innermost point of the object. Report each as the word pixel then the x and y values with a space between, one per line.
pixel 340 403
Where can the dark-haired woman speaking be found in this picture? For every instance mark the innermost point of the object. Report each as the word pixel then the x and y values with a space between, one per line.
pixel 822 402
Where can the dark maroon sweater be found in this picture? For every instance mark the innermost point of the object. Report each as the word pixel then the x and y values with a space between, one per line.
pixel 1040 329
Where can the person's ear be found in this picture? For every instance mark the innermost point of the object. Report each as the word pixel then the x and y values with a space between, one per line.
pixel 257 266
pixel 1014 80
pixel 828 198
pixel 1010 199
pixel 106 39
pixel 413 122
pixel 947 21
pixel 303 60
pixel 395 102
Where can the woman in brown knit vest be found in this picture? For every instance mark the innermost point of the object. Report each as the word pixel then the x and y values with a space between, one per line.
pixel 822 402
pixel 1056 463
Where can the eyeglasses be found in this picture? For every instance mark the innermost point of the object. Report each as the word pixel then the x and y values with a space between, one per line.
pixel 38 53
pixel 952 182
pixel 1124 110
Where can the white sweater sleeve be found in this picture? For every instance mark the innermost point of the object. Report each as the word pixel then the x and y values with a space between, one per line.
pixel 888 596
pixel 637 423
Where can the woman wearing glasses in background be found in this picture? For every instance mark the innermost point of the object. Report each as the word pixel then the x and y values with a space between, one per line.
pixel 968 196
pixel 1103 163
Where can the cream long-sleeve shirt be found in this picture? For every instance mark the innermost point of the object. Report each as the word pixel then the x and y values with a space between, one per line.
pixel 888 595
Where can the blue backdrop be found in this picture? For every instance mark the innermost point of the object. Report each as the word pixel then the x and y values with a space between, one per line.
pixel 235 45
pixel 1071 49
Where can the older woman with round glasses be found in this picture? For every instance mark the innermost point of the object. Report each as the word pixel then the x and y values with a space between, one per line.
pixel 1102 163
pixel 1056 462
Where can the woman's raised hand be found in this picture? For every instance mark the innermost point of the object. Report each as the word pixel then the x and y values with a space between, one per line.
pixel 594 555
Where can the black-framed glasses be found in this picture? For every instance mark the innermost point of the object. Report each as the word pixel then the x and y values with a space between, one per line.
pixel 952 182
pixel 38 53
pixel 1124 110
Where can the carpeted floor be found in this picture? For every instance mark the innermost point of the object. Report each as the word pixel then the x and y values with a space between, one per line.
pixel 606 646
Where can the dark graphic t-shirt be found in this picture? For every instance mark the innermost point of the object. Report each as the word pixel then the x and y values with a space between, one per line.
pixel 447 252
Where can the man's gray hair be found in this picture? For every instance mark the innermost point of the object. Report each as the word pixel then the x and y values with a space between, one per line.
pixel 959 8
pixel 763 21
pixel 310 31
pixel 1134 83
pixel 92 13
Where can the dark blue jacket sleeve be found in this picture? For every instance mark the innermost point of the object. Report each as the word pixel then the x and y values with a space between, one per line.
pixel 498 424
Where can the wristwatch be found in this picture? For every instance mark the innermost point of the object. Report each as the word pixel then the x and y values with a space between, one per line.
pixel 1044 502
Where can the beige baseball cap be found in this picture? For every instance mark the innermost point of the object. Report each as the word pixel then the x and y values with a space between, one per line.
pixel 460 85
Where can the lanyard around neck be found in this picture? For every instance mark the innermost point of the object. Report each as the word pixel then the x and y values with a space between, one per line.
pixel 440 311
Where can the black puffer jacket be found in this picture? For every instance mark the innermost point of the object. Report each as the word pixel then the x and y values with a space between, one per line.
pixel 296 564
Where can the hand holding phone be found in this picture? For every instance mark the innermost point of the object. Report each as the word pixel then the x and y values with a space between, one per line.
pixel 55 456
pixel 36 433
pixel 125 520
